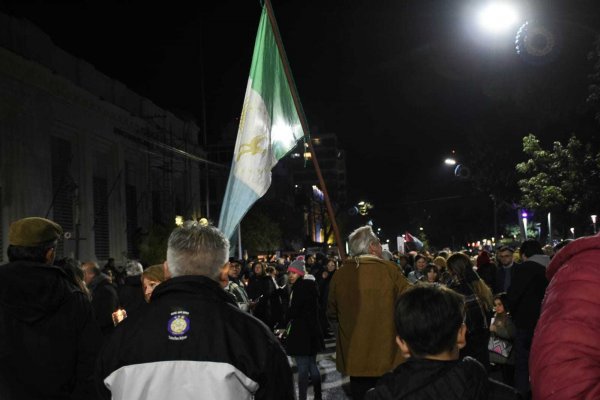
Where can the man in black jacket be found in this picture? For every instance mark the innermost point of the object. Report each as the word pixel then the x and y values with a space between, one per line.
pixel 524 299
pixel 46 321
pixel 192 341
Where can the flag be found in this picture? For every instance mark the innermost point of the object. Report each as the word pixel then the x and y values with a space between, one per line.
pixel 410 239
pixel 269 128
pixel 400 241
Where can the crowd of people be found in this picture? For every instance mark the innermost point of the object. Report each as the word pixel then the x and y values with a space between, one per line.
pixel 410 325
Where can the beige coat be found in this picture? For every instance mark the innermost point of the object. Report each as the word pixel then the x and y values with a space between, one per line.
pixel 362 295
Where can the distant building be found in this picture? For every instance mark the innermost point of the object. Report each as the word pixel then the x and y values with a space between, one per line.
pixel 332 163
pixel 84 150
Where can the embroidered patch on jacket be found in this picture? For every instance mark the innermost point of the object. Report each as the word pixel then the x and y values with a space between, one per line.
pixel 178 325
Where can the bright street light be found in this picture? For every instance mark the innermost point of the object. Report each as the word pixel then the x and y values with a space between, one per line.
pixel 498 17
pixel 524 218
pixel 450 161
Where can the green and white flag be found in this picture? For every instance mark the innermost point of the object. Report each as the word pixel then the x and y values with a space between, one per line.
pixel 269 129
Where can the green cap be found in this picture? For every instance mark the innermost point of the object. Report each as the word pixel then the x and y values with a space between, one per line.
pixel 33 231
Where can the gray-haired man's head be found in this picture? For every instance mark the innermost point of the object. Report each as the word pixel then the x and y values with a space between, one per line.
pixel 196 249
pixel 364 241
pixel 133 268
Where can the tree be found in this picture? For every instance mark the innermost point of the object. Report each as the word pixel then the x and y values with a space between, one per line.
pixel 565 179
pixel 153 246
pixel 260 233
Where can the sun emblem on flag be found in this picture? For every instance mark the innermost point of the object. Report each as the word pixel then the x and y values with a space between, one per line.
pixel 253 147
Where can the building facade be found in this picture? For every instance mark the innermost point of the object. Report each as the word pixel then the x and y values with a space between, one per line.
pixel 84 150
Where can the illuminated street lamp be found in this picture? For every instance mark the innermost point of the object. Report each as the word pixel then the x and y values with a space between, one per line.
pixel 572 229
pixel 450 161
pixel 498 17
pixel 524 218
pixel 594 222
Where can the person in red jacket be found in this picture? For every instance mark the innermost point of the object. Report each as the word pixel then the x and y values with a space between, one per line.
pixel 565 354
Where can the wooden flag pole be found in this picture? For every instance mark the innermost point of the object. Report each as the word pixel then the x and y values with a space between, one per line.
pixel 304 124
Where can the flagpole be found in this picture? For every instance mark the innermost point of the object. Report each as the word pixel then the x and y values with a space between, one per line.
pixel 304 124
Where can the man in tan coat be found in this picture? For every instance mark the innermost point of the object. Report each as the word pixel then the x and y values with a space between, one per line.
pixel 362 295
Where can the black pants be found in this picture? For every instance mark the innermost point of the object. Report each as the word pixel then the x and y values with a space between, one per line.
pixel 521 347
pixel 360 385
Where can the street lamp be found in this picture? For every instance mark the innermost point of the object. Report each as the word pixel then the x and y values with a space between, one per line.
pixel 498 17
pixel 594 222
pixel 450 161
pixel 572 229
pixel 524 218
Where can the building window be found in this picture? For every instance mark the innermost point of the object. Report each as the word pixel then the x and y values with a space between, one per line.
pixel 63 188
pixel 132 222
pixel 101 238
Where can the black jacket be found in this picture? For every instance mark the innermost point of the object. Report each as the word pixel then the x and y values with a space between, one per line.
pixel 104 301
pixel 262 290
pixel 131 296
pixel 305 337
pixel 48 335
pixel 421 379
pixel 193 341
pixel 526 293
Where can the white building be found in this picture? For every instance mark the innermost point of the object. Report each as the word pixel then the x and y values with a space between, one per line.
pixel 84 150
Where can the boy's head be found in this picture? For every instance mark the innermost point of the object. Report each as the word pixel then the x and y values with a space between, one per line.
pixel 429 322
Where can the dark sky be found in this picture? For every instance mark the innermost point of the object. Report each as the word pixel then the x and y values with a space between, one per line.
pixel 400 82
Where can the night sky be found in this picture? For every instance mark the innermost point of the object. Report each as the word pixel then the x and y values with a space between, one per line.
pixel 402 83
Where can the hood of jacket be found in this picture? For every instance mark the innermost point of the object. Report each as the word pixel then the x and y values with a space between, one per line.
pixel 29 290
pixel 461 379
pixel 578 247
pixel 541 259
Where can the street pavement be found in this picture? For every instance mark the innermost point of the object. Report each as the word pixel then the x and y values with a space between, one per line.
pixel 334 385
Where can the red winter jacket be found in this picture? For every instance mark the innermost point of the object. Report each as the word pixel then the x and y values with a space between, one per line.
pixel 565 355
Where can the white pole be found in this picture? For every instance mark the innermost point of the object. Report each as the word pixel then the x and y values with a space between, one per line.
pixel 239 241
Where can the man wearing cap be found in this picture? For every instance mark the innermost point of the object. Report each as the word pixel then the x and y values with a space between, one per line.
pixel 362 294
pixel 46 321
pixel 193 341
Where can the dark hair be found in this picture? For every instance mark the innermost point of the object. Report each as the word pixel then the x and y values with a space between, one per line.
pixel 419 256
pixel 502 297
pixel 262 267
pixel 269 270
pixel 530 247
pixel 505 248
pixel 36 254
pixel 460 264
pixel 72 268
pixel 431 267
pixel 428 318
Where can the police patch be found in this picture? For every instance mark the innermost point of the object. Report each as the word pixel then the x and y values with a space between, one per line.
pixel 178 325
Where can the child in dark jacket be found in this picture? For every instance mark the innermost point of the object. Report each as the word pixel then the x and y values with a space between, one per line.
pixel 431 332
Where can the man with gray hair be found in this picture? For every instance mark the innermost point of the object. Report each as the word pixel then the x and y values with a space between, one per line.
pixel 362 295
pixel 192 341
